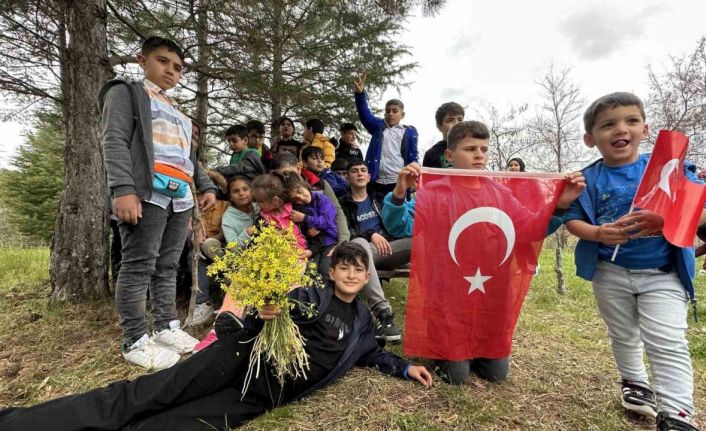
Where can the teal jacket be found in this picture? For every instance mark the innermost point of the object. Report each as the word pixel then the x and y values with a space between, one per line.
pixel 235 222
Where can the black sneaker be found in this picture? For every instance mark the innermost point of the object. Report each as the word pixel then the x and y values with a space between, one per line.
pixel 670 422
pixel 385 326
pixel 226 324
pixel 639 398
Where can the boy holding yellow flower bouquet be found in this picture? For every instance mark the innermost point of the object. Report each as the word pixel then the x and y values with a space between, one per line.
pixel 207 388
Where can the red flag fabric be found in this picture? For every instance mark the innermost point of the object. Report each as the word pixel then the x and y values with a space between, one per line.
pixel 477 236
pixel 665 190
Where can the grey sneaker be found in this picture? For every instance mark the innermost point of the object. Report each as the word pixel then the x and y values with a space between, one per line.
pixel 146 353
pixel 202 314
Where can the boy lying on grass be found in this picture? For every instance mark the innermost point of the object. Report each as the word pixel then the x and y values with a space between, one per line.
pixel 205 391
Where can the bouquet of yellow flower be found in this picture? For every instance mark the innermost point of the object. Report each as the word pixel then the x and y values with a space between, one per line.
pixel 263 274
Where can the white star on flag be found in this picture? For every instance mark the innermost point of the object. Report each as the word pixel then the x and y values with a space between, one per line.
pixel 477 281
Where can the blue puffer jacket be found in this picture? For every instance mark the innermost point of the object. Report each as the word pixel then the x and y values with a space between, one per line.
pixel 586 255
pixel 375 126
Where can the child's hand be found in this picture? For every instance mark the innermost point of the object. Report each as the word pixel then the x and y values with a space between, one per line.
pixel 313 231
pixel 269 312
pixel 406 179
pixel 382 244
pixel 420 374
pixel 127 208
pixel 359 83
pixel 611 234
pixel 207 201
pixel 296 216
pixel 641 223
pixel 576 184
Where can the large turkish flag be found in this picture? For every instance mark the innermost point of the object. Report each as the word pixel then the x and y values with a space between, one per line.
pixel 665 190
pixel 477 236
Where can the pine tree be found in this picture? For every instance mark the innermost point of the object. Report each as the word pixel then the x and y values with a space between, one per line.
pixel 30 193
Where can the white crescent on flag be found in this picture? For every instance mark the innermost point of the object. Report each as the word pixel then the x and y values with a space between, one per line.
pixel 664 175
pixel 482 215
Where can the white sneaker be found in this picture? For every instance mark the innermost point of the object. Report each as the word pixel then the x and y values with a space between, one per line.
pixel 702 272
pixel 145 353
pixel 175 339
pixel 202 314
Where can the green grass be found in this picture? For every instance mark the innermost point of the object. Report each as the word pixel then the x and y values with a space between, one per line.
pixel 562 372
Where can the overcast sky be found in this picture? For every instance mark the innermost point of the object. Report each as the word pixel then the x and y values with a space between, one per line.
pixel 479 51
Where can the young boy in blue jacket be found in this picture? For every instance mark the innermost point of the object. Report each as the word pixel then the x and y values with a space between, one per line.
pixel 149 162
pixel 392 145
pixel 205 391
pixel 468 143
pixel 643 294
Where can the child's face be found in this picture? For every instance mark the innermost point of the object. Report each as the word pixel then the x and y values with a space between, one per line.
pixel 349 137
pixel 269 205
pixel 255 139
pixel 617 134
pixel 315 163
pixel 393 115
pixel 236 143
pixel 348 279
pixel 240 193
pixel 448 122
pixel 513 166
pixel 308 135
pixel 470 153
pixel 286 130
pixel 300 195
pixel 358 176
pixel 162 67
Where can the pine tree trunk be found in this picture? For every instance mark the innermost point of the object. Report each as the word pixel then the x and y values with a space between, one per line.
pixel 277 64
pixel 203 61
pixel 79 248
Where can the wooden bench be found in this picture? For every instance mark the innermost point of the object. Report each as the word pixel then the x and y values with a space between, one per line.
pixel 395 273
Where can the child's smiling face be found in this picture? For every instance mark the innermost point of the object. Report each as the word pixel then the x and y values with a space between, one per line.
pixel 240 193
pixel 617 134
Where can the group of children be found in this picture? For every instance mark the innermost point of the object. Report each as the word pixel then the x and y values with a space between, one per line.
pixel 349 227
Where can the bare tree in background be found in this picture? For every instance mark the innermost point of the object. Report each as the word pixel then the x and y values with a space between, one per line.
pixel 677 99
pixel 508 135
pixel 556 127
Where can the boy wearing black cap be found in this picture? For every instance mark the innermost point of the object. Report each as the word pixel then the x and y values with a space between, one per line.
pixel 348 144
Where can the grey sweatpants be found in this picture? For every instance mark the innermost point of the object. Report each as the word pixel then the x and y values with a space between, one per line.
pixel 648 308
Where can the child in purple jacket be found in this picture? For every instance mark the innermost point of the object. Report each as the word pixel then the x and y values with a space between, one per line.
pixel 315 215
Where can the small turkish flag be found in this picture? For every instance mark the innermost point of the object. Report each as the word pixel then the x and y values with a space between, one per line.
pixel 477 236
pixel 665 190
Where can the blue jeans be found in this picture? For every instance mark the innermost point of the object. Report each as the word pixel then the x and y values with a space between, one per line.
pixel 204 293
pixel 150 257
pixel 648 308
